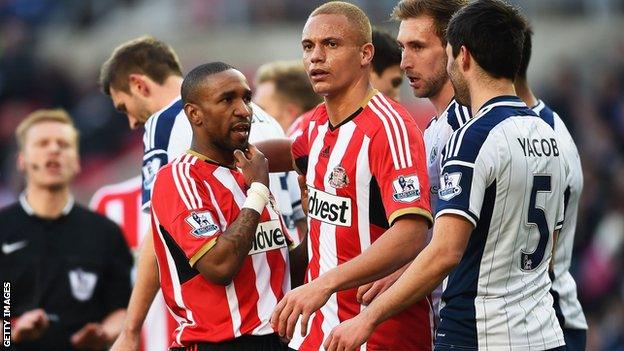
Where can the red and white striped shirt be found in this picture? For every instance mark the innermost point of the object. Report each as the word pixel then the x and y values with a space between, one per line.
pixel 121 202
pixel 193 203
pixel 362 175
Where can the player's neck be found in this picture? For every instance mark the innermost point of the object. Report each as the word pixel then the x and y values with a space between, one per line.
pixel 343 104
pixel 482 91
pixel 443 98
pixel 167 92
pixel 47 202
pixel 524 92
pixel 209 152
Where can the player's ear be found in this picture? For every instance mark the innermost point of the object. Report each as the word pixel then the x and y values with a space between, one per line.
pixel 367 52
pixel 138 84
pixel 21 163
pixel 464 58
pixel 193 114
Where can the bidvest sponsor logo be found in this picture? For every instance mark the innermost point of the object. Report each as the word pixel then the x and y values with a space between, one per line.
pixel 329 208
pixel 269 236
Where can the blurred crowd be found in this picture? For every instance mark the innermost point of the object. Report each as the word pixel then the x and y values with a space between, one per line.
pixel 590 99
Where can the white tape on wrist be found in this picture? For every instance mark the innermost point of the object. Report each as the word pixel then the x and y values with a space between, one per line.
pixel 257 197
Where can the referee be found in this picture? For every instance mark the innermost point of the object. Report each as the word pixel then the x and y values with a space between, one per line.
pixel 68 268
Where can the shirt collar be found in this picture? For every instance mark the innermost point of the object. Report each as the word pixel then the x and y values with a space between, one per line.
pixel 31 212
pixel 503 100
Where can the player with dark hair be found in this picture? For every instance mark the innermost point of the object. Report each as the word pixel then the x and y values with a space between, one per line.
pixel 386 75
pixel 144 80
pixel 221 246
pixel 499 209
pixel 569 311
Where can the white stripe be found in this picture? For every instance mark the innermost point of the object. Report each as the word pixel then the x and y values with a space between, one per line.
pixel 362 185
pixel 451 148
pixel 388 134
pixel 315 149
pixel 222 220
pixel 184 181
pixel 396 134
pixel 459 163
pixel 466 113
pixel 195 193
pixel 406 141
pixel 266 298
pixel 224 176
pixel 153 131
pixel 148 155
pixel 457 212
pixel 230 292
pixel 175 284
pixel 328 244
pixel 174 172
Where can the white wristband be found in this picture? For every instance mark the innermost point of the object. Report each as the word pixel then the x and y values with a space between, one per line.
pixel 257 197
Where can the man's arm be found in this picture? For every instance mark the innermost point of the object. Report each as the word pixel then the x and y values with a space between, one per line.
pixel 223 260
pixel 145 288
pixel 433 264
pixel 397 246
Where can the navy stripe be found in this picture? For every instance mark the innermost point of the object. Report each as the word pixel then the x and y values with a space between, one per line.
pixel 476 133
pixel 548 116
pixel 458 327
pixel 164 125
pixel 556 300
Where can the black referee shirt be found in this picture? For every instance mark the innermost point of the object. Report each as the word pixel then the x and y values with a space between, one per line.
pixel 76 268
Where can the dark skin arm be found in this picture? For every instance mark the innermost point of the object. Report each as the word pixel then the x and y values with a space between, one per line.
pixel 221 263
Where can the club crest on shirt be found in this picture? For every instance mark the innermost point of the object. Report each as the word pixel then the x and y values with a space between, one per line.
pixel 338 178
pixel 82 283
pixel 202 224
pixel 449 185
pixel 406 188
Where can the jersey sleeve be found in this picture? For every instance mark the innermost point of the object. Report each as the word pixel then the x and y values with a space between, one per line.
pixel 466 172
pixel 185 211
pixel 300 150
pixel 398 163
pixel 155 156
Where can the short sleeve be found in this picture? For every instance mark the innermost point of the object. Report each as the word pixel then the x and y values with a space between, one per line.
pixel 464 179
pixel 185 212
pixel 120 261
pixel 397 162
pixel 300 150
pixel 155 156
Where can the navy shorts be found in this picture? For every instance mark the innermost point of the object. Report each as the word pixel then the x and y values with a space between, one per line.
pixel 575 339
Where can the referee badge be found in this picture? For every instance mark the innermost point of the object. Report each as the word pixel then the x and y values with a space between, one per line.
pixel 82 284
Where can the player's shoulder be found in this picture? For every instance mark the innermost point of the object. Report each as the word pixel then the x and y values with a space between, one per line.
pixel 159 126
pixel 386 117
pixel 467 141
pixel 10 211
pixel 457 115
pixel 94 221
